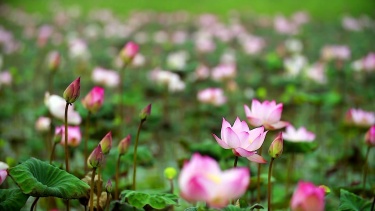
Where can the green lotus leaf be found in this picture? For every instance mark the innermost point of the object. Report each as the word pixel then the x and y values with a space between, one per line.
pixel 156 200
pixel 350 201
pixel 12 199
pixel 40 179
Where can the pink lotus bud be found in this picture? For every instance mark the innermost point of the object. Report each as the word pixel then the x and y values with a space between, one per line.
pixel 124 145
pixel 58 135
pixel 276 148
pixel 370 137
pixel 74 135
pixel 108 186
pixel 145 112
pixel 93 101
pixel 106 143
pixel 128 52
pixel 71 93
pixel 307 197
pixel 43 124
pixel 96 157
pixel 3 175
pixel 54 59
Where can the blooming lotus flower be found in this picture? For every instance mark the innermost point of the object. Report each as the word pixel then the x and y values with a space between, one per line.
pixel 201 179
pixel 298 135
pixel 94 99
pixel 223 72
pixel 243 141
pixel 360 117
pixel 370 137
pixel 56 106
pixel 167 78
pixel 43 124
pixel 267 114
pixel 74 135
pixel 339 52
pixel 307 197
pixel 108 78
pixel 214 96
pixel 3 171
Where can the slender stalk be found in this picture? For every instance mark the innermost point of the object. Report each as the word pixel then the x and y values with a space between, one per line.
pixel 107 202
pixel 117 176
pixel 235 161
pixel 66 148
pixel 52 157
pixel 365 168
pixel 135 154
pixel 34 204
pixel 289 172
pixel 373 204
pixel 92 190
pixel 171 184
pixel 269 184
pixel 87 136
pixel 98 188
pixel 258 176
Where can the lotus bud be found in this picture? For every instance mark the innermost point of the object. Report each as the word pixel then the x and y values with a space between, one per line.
pixel 108 186
pixel 58 135
pixel 124 145
pixel 43 124
pixel 3 175
pixel 370 137
pixel 96 157
pixel 128 52
pixel 276 148
pixel 54 59
pixel 145 113
pixel 170 173
pixel 106 143
pixel 71 93
pixel 93 101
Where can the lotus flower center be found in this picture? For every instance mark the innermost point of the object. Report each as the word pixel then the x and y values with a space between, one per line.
pixel 214 178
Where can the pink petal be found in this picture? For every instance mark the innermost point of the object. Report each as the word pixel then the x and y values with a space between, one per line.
pixel 235 182
pixel 247 111
pixel 257 143
pixel 276 125
pixel 231 138
pixel 257 158
pixel 221 142
pixel 194 190
pixel 256 122
pixel 274 114
pixel 243 152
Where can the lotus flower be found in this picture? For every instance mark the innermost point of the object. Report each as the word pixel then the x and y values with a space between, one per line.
pixel 214 96
pixel 307 197
pixel 243 141
pixel 360 117
pixel 43 124
pixel 298 135
pixel 3 171
pixel 94 99
pixel 267 114
pixel 370 136
pixel 201 179
pixel 56 106
pixel 108 78
pixel 74 135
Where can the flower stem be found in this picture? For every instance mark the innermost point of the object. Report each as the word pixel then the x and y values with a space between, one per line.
pixel 373 204
pixel 98 188
pixel 135 154
pixel 107 202
pixel 289 172
pixel 117 176
pixel 66 148
pixel 171 184
pixel 92 190
pixel 87 136
pixel 258 176
pixel 34 204
pixel 269 184
pixel 235 161
pixel 52 157
pixel 365 168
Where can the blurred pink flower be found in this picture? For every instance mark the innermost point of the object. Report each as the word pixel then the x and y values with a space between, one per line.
pixel 252 45
pixel 5 78
pixel 298 135
pixel 202 72
pixel 243 141
pixel 108 78
pixel 201 179
pixel 78 49
pixel 370 137
pixel 316 72
pixel 214 96
pixel 74 135
pixel 129 51
pixel 368 62
pixel 44 34
pixel 284 26
pixel 56 106
pixel 267 114
pixel 3 171
pixel 167 78
pixel 307 197
pixel 93 101
pixel 339 52
pixel 223 72
pixel 351 24
pixel 53 60
pixel 43 124
pixel 360 117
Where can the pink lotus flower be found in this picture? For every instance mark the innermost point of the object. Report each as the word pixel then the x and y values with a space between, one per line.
pixel 223 72
pixel 307 197
pixel 3 172
pixel 214 96
pixel 360 117
pixel 93 101
pixel 370 136
pixel 243 141
pixel 129 51
pixel 5 78
pixel 201 179
pixel 368 62
pixel 43 124
pixel 56 106
pixel 108 78
pixel 267 114
pixel 74 135
pixel 298 135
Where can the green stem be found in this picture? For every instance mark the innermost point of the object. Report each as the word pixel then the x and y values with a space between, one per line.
pixel 117 176
pixel 269 184
pixel 66 148
pixel 172 186
pixel 52 157
pixel 87 136
pixel 98 189
pixel 289 172
pixel 373 204
pixel 92 185
pixel 365 168
pixel 107 202
pixel 258 176
pixel 235 161
pixel 34 204
pixel 135 155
